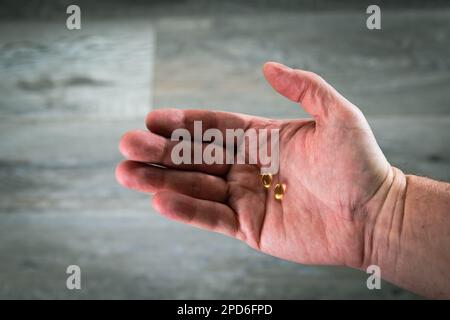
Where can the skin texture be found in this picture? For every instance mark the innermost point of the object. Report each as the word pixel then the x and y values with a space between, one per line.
pixel 341 192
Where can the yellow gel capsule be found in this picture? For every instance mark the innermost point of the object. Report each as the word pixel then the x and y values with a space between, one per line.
pixel 266 180
pixel 279 191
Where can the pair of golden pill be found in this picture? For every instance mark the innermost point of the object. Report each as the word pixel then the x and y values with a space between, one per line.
pixel 279 189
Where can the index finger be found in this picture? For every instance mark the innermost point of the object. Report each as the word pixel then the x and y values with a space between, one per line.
pixel 165 121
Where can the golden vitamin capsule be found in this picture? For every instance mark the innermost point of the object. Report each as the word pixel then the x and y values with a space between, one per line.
pixel 266 180
pixel 279 191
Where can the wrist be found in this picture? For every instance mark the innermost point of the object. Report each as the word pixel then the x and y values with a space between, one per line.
pixel 384 224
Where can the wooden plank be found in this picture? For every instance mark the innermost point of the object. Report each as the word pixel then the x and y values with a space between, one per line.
pixel 104 70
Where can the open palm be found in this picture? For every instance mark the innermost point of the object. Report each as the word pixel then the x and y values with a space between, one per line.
pixel 331 166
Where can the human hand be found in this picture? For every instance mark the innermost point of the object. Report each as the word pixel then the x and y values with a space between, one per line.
pixel 331 165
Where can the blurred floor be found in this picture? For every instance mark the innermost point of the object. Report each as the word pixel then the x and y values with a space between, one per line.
pixel 60 204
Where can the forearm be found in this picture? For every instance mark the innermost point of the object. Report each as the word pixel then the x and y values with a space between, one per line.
pixel 410 235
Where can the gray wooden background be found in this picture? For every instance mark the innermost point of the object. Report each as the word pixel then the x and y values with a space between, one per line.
pixel 66 97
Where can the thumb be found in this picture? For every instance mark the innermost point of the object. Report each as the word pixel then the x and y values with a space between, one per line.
pixel 316 96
